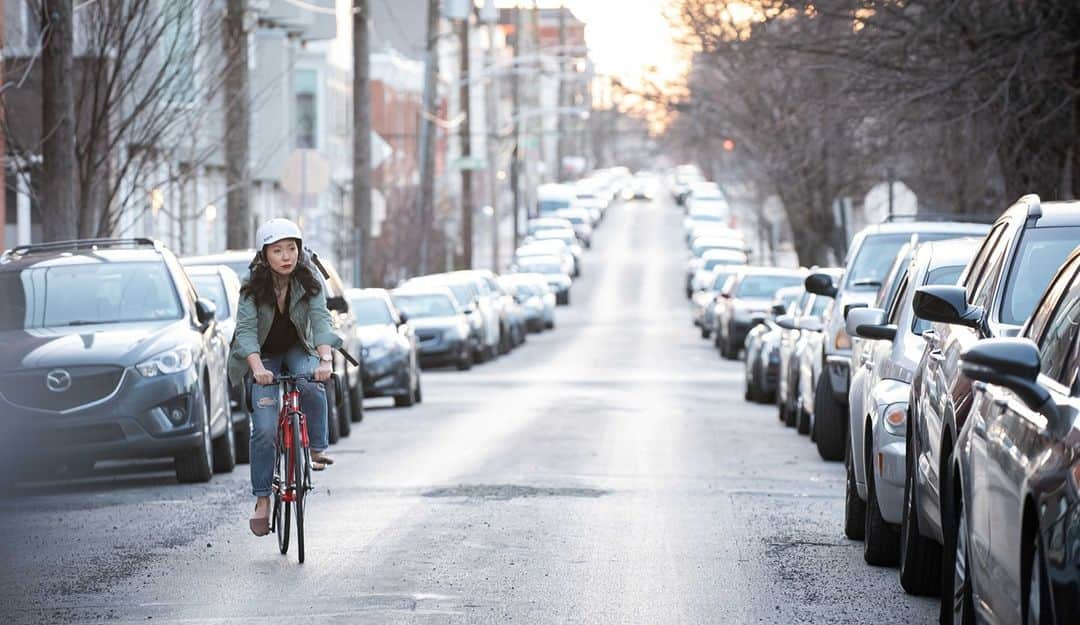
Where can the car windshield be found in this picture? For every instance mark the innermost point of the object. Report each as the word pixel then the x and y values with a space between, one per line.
pixel 241 267
pixel 420 306
pixel 211 287
pixel 87 293
pixel 371 311
pixel 550 205
pixel 877 254
pixel 716 262
pixel 941 275
pixel 706 217
pixel 538 267
pixel 719 280
pixel 765 286
pixel 1041 252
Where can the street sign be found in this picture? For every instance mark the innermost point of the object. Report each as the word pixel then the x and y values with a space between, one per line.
pixel 471 163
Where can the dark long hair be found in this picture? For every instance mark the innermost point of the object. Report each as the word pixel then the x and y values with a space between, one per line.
pixel 260 283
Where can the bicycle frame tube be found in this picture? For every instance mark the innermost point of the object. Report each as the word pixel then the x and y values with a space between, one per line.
pixel 290 405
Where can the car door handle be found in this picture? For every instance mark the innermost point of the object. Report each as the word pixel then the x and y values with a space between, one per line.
pixel 937 356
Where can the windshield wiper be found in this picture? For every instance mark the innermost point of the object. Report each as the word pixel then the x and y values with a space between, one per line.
pixel 867 282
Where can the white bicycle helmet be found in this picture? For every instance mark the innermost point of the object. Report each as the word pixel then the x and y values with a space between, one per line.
pixel 275 230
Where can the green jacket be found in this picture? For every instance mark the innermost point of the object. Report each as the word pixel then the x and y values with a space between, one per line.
pixel 253 321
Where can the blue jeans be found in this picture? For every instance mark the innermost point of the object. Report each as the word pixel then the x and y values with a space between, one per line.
pixel 266 401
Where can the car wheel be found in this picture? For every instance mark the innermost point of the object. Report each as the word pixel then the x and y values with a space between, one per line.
pixel 225 450
pixel 958 605
pixel 920 557
pixel 1038 606
pixel 465 362
pixel 197 465
pixel 242 436
pixel 333 426
pixel 550 325
pixel 728 351
pixel 802 420
pixel 418 394
pixel 406 399
pixel 344 410
pixel 854 506
pixel 705 332
pixel 881 542
pixel 790 414
pixel 356 401
pixel 829 418
pixel 757 393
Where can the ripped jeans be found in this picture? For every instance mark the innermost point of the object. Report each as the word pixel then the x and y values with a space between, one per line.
pixel 266 401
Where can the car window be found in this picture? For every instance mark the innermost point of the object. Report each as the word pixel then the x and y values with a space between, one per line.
pixel 1040 253
pixel 1058 340
pixel 212 288
pixel 987 283
pixel 1041 316
pixel 419 306
pixel 371 311
pixel 765 286
pixel 941 275
pixel 875 258
pixel 719 280
pixel 821 304
pixel 87 293
pixel 978 263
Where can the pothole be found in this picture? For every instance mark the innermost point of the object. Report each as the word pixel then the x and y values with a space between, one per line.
pixel 503 492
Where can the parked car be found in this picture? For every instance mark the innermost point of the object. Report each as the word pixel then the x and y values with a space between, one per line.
pixel 707 214
pixel 870 255
pixel 220 285
pixel 762 345
pixel 1013 546
pixel 442 328
pixel 537 224
pixel 549 247
pixel 714 229
pixel 550 268
pixel 511 318
pixel 553 197
pixel 391 358
pixel 535 297
pixel 566 236
pixel 787 382
pixel 237 260
pixel 581 223
pixel 704 300
pixel 705 244
pixel 110 354
pixel 750 292
pixel 892 347
pixel 485 322
pixel 996 293
pixel 797 370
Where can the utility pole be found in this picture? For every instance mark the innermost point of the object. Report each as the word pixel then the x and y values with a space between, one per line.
pixel 58 122
pixel 426 198
pixel 237 128
pixel 491 103
pixel 515 86
pixel 466 150
pixel 561 124
pixel 361 191
pixel 541 151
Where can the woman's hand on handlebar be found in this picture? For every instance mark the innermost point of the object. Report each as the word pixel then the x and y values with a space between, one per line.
pixel 263 376
pixel 323 372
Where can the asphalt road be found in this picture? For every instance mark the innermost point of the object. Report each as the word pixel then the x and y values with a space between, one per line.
pixel 607 472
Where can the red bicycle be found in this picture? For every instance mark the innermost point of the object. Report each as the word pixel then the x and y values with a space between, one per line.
pixel 292 468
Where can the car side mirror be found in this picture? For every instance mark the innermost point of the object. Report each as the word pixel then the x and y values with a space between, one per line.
pixel 863 317
pixel 471 310
pixel 850 307
pixel 820 284
pixel 205 311
pixel 778 309
pixel 1013 363
pixel 810 324
pixel 946 303
pixel 403 317
pixel 337 303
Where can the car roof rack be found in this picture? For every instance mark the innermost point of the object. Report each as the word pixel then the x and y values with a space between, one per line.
pixel 84 244
pixel 962 218
pixel 1033 204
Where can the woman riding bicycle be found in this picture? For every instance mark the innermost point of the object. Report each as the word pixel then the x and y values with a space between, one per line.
pixel 282 326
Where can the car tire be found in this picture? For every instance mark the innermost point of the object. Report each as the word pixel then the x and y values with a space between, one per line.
pixel 881 541
pixel 829 419
pixel 418 394
pixel 920 557
pixel 1037 603
pixel 705 332
pixel 345 408
pixel 854 506
pixel 802 421
pixel 757 393
pixel 333 425
pixel 242 436
pixel 957 602
pixel 197 465
pixel 465 363
pixel 225 450
pixel 790 416
pixel 550 325
pixel 406 399
pixel 356 402
pixel 728 351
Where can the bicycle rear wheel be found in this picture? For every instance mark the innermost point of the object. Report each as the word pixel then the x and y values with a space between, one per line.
pixel 300 485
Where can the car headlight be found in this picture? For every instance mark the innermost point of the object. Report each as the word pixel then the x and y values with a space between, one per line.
pixel 895 418
pixel 842 340
pixel 165 363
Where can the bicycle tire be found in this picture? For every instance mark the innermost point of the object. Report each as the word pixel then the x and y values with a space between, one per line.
pixel 281 508
pixel 301 490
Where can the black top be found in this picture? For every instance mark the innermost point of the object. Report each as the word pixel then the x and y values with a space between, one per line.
pixel 282 335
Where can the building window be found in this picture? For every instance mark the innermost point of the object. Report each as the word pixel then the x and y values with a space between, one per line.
pixel 178 51
pixel 305 83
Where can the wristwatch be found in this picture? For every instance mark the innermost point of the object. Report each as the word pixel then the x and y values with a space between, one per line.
pixel 326 358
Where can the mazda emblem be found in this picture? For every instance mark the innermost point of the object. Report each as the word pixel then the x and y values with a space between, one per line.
pixel 58 380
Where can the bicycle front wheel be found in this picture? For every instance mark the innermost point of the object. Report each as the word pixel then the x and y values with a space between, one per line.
pixel 281 507
pixel 299 463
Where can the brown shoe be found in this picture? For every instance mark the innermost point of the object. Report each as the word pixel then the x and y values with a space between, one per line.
pixel 260 525
pixel 317 466
pixel 320 456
